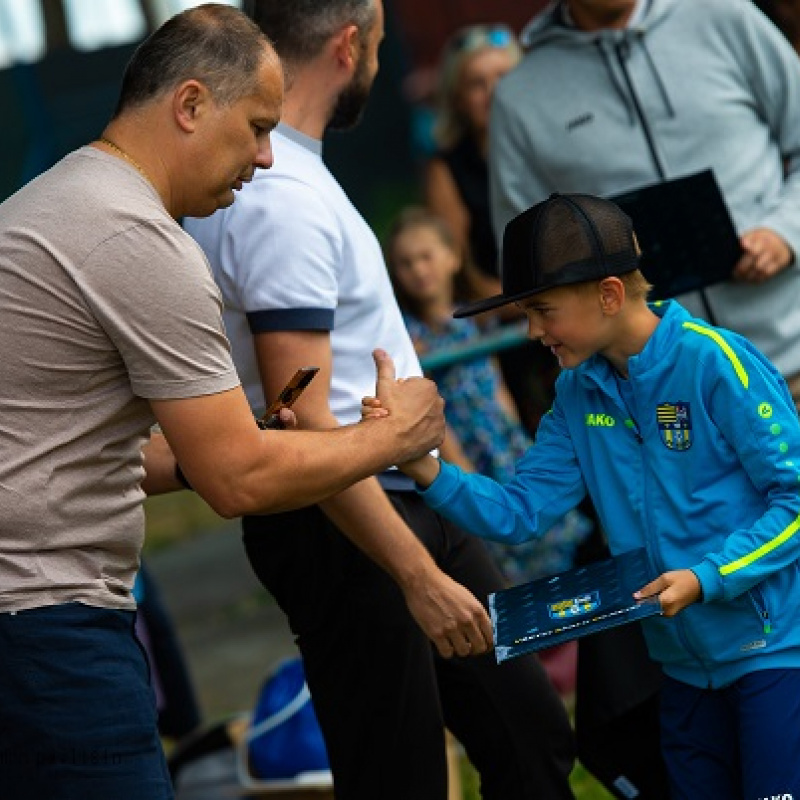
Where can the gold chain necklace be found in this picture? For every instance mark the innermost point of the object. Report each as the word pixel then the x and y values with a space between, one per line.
pixel 132 161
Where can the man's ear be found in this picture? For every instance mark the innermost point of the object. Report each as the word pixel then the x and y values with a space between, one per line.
pixel 347 47
pixel 189 102
pixel 612 295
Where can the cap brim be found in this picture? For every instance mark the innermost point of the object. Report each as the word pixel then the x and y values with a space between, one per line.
pixel 490 303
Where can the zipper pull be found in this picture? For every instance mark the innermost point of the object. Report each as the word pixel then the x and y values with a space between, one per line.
pixel 629 423
pixel 767 622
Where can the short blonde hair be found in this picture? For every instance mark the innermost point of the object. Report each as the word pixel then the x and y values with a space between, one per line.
pixel 636 285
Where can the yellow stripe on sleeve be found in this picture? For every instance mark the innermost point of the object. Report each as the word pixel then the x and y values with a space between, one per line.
pixel 725 347
pixel 765 549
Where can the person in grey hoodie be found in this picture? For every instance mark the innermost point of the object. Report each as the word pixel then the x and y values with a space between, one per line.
pixel 613 95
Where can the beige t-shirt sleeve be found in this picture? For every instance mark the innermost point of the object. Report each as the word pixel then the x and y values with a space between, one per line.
pixel 151 290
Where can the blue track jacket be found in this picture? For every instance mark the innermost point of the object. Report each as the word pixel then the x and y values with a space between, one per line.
pixel 697 458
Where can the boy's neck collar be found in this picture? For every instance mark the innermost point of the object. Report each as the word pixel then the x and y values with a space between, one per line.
pixel 632 340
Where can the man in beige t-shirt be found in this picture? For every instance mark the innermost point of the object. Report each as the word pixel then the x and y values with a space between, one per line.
pixel 110 322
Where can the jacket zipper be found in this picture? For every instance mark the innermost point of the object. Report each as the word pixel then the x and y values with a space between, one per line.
pixel 655 554
pixel 760 605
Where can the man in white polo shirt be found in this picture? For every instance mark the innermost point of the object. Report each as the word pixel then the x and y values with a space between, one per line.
pixel 304 282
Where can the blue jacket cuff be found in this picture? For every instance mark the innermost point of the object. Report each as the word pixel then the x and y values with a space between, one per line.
pixel 710 580
pixel 442 487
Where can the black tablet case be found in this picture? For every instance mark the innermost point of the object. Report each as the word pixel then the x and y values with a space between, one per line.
pixel 686 233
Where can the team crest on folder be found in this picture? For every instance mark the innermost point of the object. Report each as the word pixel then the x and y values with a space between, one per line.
pixel 575 606
pixel 675 425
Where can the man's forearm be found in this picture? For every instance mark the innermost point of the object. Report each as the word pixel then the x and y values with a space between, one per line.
pixel 239 469
pixel 159 467
pixel 448 613
pixel 366 516
pixel 292 469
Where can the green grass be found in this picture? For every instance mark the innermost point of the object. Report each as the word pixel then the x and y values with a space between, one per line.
pixel 176 517
pixel 583 784
pixel 586 787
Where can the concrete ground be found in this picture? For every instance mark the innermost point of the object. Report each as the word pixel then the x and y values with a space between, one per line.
pixel 231 630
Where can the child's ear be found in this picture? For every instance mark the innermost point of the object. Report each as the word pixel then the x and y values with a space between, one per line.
pixel 612 296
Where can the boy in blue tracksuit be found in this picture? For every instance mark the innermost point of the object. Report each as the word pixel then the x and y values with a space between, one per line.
pixel 687 441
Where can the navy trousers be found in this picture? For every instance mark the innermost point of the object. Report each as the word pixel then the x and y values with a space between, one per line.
pixel 77 714
pixel 738 743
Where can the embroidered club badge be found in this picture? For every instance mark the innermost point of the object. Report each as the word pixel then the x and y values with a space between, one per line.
pixel 675 425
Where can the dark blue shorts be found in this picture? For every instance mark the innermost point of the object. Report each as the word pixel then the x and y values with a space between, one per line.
pixel 737 743
pixel 77 714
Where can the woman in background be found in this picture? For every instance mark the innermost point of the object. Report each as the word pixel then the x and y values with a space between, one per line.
pixel 456 179
pixel 456 188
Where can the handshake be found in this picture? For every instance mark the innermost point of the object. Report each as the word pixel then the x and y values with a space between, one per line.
pixel 414 410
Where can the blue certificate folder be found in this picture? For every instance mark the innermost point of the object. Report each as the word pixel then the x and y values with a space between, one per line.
pixel 584 600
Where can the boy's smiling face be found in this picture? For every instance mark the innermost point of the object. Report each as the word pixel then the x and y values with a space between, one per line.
pixel 571 321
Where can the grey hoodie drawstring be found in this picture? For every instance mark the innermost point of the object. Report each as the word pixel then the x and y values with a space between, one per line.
pixel 622 50
pixel 612 74
pixel 656 74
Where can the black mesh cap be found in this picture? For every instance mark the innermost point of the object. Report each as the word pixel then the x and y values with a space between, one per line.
pixel 568 238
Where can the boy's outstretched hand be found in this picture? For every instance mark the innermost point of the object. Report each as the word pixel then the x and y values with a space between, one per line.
pixel 675 590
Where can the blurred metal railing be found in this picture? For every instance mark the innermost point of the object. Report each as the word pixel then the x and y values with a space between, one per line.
pixel 501 339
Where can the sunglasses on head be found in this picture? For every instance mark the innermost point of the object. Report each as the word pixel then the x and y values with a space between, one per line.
pixel 492 36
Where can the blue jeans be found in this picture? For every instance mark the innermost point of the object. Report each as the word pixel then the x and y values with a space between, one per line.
pixel 737 743
pixel 77 714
